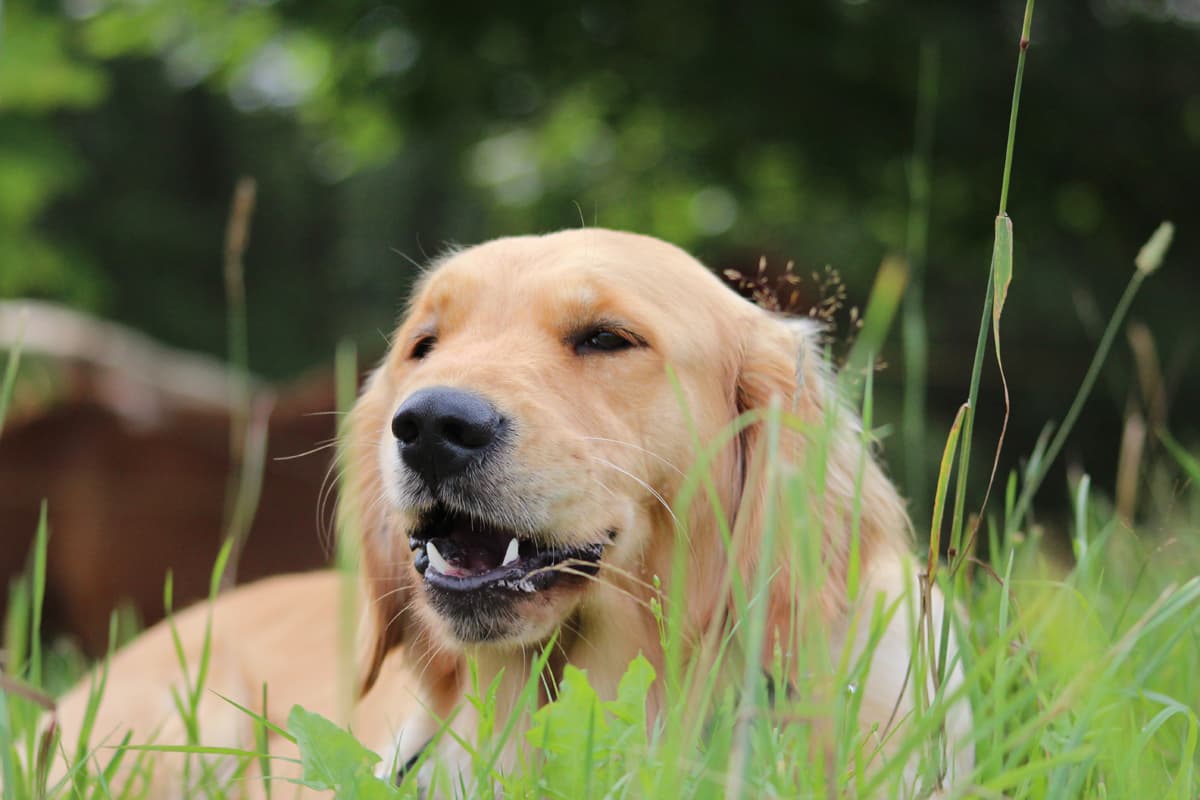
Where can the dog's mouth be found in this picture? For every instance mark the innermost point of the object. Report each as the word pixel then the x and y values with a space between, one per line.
pixel 460 553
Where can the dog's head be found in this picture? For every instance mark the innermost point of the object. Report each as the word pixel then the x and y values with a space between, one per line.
pixel 541 405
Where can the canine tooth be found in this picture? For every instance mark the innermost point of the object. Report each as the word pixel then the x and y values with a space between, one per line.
pixel 512 553
pixel 435 558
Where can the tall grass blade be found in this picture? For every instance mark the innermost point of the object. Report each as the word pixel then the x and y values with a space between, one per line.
pixel 886 293
pixel 349 536
pixel 1160 242
pixel 913 332
pixel 939 496
pixel 12 363
pixel 40 544
pixel 8 749
pixel 756 614
pixel 247 426
pixel 1189 463
pixel 989 305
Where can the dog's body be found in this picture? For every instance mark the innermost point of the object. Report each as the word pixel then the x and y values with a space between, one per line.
pixel 509 468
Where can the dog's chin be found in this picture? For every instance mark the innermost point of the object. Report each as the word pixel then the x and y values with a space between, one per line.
pixel 486 625
pixel 488 584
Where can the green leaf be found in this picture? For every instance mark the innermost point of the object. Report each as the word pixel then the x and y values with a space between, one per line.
pixel 585 743
pixel 576 701
pixel 570 733
pixel 630 706
pixel 943 486
pixel 334 760
pixel 1002 269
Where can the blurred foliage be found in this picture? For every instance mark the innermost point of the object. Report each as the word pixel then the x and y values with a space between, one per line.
pixel 379 132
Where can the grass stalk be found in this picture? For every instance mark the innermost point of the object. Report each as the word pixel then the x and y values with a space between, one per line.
pixel 12 364
pixel 752 675
pixel 247 422
pixel 1034 480
pixel 913 330
pixel 347 543
pixel 960 488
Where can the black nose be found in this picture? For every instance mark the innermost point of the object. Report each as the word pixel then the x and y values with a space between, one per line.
pixel 442 431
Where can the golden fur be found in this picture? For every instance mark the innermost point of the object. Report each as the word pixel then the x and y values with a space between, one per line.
pixel 602 441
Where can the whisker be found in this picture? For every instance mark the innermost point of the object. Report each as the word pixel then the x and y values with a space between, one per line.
pixel 436 650
pixel 643 484
pixel 325 524
pixel 578 633
pixel 323 446
pixel 399 614
pixel 389 593
pixel 602 485
pixel 637 447
pixel 375 503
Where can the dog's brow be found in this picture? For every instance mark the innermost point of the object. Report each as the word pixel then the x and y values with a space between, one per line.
pixel 581 320
pixel 424 329
pixel 581 296
pixel 585 304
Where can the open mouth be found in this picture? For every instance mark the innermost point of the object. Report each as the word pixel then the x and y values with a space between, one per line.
pixel 460 553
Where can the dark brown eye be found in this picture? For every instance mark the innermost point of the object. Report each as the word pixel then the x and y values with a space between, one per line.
pixel 422 348
pixel 603 341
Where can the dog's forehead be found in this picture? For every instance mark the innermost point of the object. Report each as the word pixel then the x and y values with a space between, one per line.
pixel 580 272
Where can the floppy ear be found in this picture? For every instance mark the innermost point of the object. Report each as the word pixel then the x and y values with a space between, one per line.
pixel 784 379
pixel 364 514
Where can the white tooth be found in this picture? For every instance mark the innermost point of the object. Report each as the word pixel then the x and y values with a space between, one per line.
pixel 512 553
pixel 435 559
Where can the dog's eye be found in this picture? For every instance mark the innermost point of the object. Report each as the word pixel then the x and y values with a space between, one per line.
pixel 422 347
pixel 603 340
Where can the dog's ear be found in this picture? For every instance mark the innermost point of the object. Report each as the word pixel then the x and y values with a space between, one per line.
pixel 363 513
pixel 786 384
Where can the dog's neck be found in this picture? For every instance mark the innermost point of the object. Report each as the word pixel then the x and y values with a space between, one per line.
pixel 596 639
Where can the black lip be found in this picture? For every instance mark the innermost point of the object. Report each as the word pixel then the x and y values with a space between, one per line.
pixel 538 570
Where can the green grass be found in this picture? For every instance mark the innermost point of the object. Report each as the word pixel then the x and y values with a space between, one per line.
pixel 1082 667
pixel 1084 679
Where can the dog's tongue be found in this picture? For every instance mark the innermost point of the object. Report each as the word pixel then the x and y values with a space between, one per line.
pixel 463 556
pixel 451 558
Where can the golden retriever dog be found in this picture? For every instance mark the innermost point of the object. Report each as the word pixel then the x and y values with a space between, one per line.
pixel 516 468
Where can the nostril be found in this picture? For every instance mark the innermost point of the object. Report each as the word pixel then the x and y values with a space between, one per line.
pixel 405 427
pixel 453 432
pixel 470 434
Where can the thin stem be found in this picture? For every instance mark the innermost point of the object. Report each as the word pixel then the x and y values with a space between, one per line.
pixel 964 455
pixel 1016 99
pixel 960 486
pixel 913 329
pixel 1085 389
pixel 247 432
